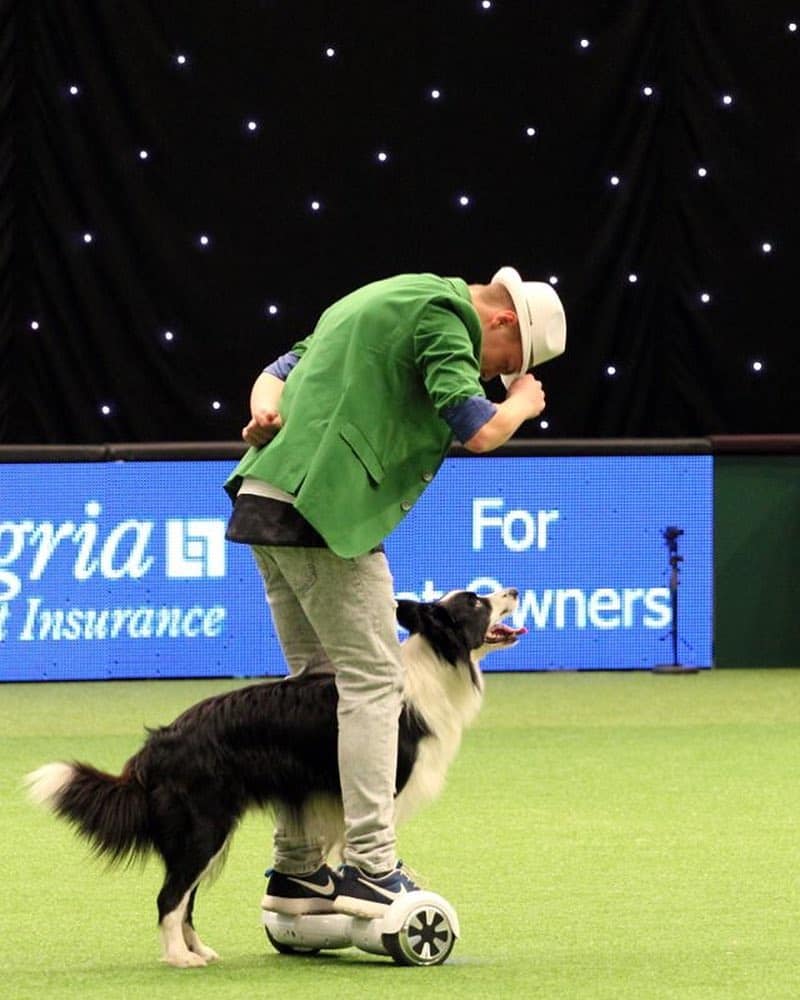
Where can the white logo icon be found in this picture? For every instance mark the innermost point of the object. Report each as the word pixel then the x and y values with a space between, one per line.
pixel 195 548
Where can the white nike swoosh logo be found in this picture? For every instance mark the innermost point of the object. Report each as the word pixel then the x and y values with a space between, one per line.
pixel 322 890
pixel 384 892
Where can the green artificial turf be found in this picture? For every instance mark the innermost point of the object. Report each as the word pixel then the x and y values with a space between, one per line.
pixel 601 835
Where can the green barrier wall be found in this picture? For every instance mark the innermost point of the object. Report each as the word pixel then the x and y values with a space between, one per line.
pixel 757 560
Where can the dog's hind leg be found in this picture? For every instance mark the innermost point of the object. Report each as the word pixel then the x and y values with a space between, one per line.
pixel 181 945
pixel 173 945
pixel 190 935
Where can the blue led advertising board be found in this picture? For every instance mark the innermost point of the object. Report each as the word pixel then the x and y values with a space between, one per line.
pixel 121 569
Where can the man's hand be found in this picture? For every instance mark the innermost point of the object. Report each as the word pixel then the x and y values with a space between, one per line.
pixel 263 427
pixel 524 401
pixel 265 420
pixel 529 390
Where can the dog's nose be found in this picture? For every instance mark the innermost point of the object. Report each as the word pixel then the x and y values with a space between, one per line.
pixel 513 592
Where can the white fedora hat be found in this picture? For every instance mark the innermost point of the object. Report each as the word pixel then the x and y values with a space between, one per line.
pixel 542 322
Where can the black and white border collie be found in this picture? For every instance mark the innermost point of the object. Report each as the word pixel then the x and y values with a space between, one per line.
pixel 183 793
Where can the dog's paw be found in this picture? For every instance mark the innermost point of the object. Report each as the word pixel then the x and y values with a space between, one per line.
pixel 185 960
pixel 205 952
pixel 194 944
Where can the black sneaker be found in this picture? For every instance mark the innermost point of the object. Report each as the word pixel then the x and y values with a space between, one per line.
pixel 293 894
pixel 363 895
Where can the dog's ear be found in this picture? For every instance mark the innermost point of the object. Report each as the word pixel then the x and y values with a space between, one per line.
pixel 408 615
pixel 436 624
pixel 421 617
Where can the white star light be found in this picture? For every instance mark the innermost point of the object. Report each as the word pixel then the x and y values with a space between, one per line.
pixel 613 180
pixel 74 90
pixel 204 240
pixel 436 94
pixel 105 409
pixel 544 424
pixel 88 237
pixel 143 154
pixel 702 172
pixel 584 43
pixel 705 298
pixel 611 370
pixel 382 157
pixel 486 4
pixel 330 52
pixel 727 100
pixel 34 325
pixel 553 279
pixel 757 366
pixel 530 131
pixel 216 405
pixel 169 336
pixel 463 200
pixel 272 309
pixel 792 26
pixel 181 59
pixel 633 278
pixel 766 248
pixel 252 125
pixel 316 206
pixel 647 90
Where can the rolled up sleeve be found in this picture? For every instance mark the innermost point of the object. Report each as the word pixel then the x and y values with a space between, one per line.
pixel 447 357
pixel 467 417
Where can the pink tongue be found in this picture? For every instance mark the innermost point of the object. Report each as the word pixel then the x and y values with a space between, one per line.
pixel 507 630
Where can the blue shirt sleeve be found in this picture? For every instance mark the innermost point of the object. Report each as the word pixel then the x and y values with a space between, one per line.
pixel 281 367
pixel 467 417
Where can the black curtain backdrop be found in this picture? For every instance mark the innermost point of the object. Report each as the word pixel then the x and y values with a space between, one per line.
pixel 168 334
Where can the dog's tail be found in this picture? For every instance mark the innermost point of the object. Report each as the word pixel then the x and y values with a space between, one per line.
pixel 108 811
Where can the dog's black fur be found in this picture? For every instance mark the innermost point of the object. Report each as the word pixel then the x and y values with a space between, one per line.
pixel 183 793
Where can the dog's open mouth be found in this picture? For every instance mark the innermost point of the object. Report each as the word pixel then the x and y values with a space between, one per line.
pixel 503 633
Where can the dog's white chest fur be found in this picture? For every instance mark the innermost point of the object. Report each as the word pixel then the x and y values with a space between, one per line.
pixel 447 700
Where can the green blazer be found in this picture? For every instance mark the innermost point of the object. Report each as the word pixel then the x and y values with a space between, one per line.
pixel 361 433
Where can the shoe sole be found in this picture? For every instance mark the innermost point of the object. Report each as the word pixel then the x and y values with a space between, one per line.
pixel 353 906
pixel 297 907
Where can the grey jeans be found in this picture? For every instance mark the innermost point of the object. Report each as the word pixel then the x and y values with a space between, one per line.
pixel 338 615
